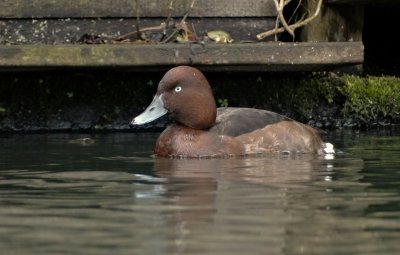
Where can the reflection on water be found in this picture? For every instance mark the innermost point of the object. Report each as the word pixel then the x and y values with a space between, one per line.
pixel 112 196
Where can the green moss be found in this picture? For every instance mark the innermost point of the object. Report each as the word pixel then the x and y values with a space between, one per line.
pixel 309 98
pixel 372 99
pixel 223 102
pixel 308 93
pixel 66 100
pixel 94 100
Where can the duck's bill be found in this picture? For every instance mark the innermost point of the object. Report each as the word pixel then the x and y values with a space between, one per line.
pixel 154 111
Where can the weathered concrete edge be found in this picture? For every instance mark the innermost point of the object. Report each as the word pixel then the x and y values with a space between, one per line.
pixel 360 2
pixel 15 9
pixel 271 56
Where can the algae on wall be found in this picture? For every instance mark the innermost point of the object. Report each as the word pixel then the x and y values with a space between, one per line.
pixel 65 101
pixel 371 100
pixel 98 101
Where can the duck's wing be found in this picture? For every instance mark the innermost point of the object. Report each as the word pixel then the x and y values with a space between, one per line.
pixel 232 121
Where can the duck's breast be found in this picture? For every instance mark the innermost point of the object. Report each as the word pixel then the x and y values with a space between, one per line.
pixel 181 141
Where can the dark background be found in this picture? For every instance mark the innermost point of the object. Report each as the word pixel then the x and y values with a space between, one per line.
pixel 381 28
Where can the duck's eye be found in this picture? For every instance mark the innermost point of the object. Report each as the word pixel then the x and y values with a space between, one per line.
pixel 178 89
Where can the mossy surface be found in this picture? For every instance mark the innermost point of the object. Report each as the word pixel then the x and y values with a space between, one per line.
pixel 72 101
pixel 98 101
pixel 371 100
pixel 309 98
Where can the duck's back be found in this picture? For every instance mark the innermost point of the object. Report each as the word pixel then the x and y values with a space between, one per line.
pixel 233 121
pixel 264 131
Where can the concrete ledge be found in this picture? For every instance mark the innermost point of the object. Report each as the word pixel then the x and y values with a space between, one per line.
pixel 127 8
pixel 244 56
pixel 361 2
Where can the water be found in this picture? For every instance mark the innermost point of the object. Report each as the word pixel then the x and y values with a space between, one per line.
pixel 59 196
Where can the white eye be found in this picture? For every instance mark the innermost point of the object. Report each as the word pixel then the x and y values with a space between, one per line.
pixel 178 89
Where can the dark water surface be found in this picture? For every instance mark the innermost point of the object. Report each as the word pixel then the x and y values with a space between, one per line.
pixel 114 197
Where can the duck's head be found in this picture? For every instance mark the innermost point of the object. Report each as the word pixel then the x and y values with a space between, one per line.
pixel 185 94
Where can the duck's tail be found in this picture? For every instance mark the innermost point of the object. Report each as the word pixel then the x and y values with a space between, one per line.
pixel 329 148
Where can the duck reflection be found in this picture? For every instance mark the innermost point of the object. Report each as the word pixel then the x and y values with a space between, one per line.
pixel 240 197
pixel 273 170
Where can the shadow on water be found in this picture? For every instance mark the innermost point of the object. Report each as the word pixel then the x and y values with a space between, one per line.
pixel 111 195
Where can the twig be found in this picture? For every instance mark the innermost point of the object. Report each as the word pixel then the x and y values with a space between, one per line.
pixel 139 31
pixel 279 7
pixel 137 19
pixel 278 18
pixel 183 20
pixel 295 10
pixel 276 27
pixel 162 27
pixel 262 35
pixel 167 21
pixel 189 10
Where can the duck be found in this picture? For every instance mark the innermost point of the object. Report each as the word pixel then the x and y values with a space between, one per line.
pixel 199 129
